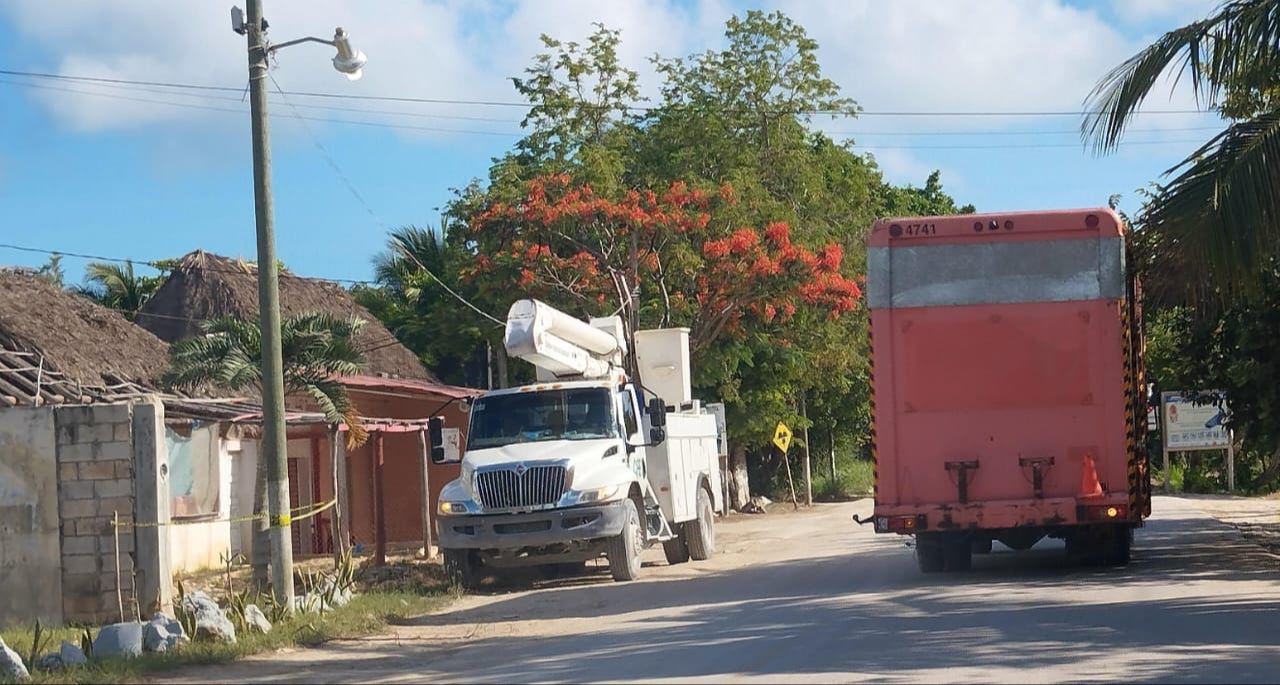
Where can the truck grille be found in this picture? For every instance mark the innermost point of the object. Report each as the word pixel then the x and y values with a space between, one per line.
pixel 504 488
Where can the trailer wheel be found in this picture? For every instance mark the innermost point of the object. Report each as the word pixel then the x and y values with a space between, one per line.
pixel 676 549
pixel 957 553
pixel 1121 547
pixel 701 532
pixel 460 567
pixel 928 555
pixel 1101 545
pixel 624 548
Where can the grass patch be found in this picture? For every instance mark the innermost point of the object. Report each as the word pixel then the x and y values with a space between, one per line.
pixel 400 590
pixel 853 479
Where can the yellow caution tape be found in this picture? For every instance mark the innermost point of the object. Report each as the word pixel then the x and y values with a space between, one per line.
pixel 284 520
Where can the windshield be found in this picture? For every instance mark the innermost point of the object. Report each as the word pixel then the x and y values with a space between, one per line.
pixel 573 414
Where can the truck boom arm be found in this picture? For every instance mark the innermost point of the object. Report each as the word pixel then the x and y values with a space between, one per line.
pixel 561 345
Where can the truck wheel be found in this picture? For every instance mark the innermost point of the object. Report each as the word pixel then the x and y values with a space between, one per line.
pixel 701 533
pixel 676 549
pixel 1121 547
pixel 460 567
pixel 928 555
pixel 957 554
pixel 624 548
pixel 982 545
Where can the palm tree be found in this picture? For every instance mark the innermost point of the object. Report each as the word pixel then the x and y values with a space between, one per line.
pixel 318 348
pixel 118 287
pixel 1216 222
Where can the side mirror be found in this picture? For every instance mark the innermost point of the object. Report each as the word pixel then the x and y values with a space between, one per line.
pixel 657 412
pixel 435 433
pixel 657 435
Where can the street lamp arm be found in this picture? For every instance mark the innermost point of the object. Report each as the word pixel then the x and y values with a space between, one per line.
pixel 308 39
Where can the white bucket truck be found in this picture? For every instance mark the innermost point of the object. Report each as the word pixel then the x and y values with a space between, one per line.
pixel 576 465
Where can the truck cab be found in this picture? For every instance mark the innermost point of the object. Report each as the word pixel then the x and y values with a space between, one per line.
pixel 563 471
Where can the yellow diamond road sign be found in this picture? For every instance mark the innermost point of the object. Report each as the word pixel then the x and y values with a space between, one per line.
pixel 782 437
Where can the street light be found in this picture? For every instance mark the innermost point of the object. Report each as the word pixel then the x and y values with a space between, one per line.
pixel 349 62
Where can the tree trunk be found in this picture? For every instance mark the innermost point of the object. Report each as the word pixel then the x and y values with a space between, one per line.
pixel 261 538
pixel 739 487
pixel 1270 470
pixel 503 380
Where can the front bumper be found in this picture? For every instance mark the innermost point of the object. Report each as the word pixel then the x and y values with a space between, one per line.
pixel 535 529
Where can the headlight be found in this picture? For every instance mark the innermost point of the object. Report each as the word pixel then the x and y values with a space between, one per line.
pixel 448 508
pixel 599 494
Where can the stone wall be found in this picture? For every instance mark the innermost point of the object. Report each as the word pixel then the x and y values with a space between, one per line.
pixel 66 472
pixel 95 483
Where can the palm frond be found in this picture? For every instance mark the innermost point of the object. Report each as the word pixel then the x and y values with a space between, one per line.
pixel 1211 52
pixel 1220 217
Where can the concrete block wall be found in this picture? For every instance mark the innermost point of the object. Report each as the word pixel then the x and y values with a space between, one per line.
pixel 96 480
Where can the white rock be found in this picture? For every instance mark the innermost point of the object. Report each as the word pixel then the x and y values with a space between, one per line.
pixel 11 665
pixel 71 654
pixel 214 626
pixel 118 639
pixel 254 618
pixel 155 637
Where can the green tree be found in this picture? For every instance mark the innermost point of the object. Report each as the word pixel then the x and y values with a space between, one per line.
pixel 318 349
pixel 118 287
pixel 1217 220
pixel 414 275
pixel 739 119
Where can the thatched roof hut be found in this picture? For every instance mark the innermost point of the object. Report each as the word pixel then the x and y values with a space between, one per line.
pixel 208 286
pixel 57 347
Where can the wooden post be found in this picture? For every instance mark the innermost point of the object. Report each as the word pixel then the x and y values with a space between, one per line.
pixel 313 523
pixel 424 458
pixel 1231 461
pixel 337 464
pixel 808 469
pixel 379 511
pixel 1168 482
pixel 787 462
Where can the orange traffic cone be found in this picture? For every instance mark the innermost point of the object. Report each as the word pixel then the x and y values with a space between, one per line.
pixel 1089 485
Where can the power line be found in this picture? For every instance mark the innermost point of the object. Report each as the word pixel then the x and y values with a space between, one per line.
pixel 862 146
pixel 431 115
pixel 222 98
pixel 233 110
pixel 370 346
pixel 162 264
pixel 360 198
pixel 324 152
pixel 1061 132
pixel 633 108
pixel 1018 146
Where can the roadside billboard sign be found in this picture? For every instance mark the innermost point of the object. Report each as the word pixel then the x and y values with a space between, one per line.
pixel 1192 426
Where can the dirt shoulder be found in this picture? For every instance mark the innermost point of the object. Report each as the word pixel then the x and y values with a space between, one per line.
pixel 1257 518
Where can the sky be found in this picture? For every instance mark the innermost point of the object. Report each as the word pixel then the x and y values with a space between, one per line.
pixel 147 172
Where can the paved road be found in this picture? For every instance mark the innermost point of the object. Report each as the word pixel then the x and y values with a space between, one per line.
pixel 809 597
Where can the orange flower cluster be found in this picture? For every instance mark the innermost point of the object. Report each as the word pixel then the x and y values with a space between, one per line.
pixel 564 237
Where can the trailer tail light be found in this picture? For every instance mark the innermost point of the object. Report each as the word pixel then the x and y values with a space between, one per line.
pixel 900 524
pixel 1104 512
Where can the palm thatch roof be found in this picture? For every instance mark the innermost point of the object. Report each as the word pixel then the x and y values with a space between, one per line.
pixel 208 286
pixel 57 347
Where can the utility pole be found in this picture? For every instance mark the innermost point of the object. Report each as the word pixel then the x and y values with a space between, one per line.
pixel 274 446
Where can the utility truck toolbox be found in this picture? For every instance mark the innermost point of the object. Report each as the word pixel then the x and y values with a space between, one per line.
pixel 590 460
pixel 1007 399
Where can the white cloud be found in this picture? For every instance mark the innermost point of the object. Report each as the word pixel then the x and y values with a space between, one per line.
pixel 904 167
pixel 994 55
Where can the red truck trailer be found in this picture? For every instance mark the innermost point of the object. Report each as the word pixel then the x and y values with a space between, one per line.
pixel 1007 378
